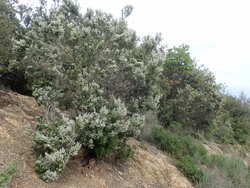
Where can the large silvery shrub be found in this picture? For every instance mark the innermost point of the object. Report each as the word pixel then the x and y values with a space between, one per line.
pixel 64 44
pixel 94 78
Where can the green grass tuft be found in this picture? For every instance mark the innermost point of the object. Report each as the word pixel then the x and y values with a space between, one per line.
pixel 6 175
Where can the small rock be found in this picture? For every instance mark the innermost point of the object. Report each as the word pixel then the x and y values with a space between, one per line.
pixel 92 163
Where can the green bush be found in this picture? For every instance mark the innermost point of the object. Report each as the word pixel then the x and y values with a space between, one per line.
pixel 190 95
pixel 188 153
pixel 189 168
pixel 238 113
pixel 167 141
pixel 6 175
pixel 177 145
pixel 217 172
pixel 222 131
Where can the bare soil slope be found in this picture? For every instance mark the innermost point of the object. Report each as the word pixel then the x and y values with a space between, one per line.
pixel 149 168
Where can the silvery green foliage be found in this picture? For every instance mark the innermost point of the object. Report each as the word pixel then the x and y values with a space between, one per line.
pixel 54 142
pixel 63 45
pixel 45 94
pixel 110 121
pixel 92 70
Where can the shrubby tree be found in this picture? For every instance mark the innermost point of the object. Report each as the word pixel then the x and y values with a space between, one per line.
pixel 232 122
pixel 96 43
pixel 221 129
pixel 190 94
pixel 7 31
pixel 95 79
pixel 238 111
pixel 14 20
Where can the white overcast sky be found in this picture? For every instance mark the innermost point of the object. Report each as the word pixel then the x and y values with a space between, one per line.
pixel 218 31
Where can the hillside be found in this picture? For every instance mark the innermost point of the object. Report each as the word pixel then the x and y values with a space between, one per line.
pixel 110 108
pixel 148 168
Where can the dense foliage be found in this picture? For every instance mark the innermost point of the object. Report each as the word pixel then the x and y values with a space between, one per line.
pixel 11 29
pixel 185 149
pixel 238 110
pixel 97 79
pixel 203 169
pixel 7 30
pixel 93 77
pixel 190 93
pixel 7 33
